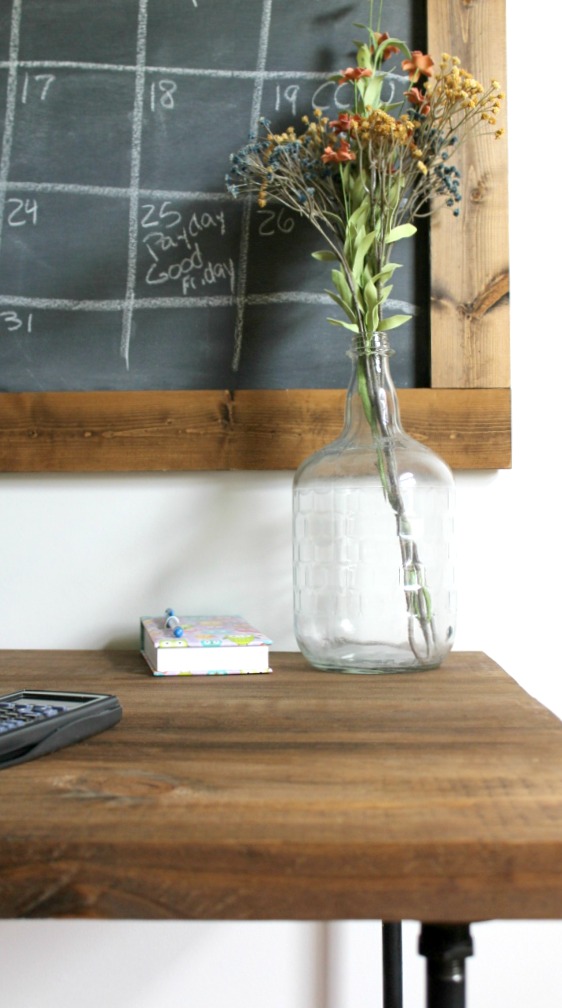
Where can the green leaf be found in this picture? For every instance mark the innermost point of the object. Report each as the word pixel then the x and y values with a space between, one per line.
pixel 393 322
pixel 341 304
pixel 360 253
pixel 391 106
pixel 372 301
pixel 402 231
pixel 345 325
pixel 363 390
pixel 364 57
pixel 372 90
pixel 365 243
pixel 334 218
pixel 325 255
pixel 372 318
pixel 395 190
pixel 360 190
pixel 387 271
pixel 371 295
pixel 342 287
pixel 399 43
pixel 360 215
pixel 367 272
pixel 356 229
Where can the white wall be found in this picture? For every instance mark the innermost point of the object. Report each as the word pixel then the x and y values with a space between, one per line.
pixel 83 556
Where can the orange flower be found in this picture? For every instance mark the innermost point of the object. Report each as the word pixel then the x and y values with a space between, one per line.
pixel 416 97
pixel 353 74
pixel 345 122
pixel 343 153
pixel 419 64
pixel 390 50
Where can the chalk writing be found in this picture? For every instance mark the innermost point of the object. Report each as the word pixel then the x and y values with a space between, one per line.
pixel 162 93
pixel 160 215
pixel 13 321
pixel 43 80
pixel 275 220
pixel 22 212
pixel 290 94
pixel 173 241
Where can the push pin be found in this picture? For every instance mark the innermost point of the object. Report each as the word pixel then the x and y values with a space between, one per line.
pixel 172 623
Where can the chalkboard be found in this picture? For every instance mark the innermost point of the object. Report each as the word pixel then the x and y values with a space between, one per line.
pixel 124 262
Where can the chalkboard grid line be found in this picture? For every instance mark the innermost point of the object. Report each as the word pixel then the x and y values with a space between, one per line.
pixel 215 72
pixel 119 192
pixel 10 106
pixel 135 179
pixel 210 301
pixel 247 208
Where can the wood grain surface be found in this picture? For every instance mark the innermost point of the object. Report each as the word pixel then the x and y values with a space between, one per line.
pixel 293 795
pixel 470 261
pixel 277 429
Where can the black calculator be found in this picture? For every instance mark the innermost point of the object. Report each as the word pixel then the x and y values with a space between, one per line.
pixel 35 722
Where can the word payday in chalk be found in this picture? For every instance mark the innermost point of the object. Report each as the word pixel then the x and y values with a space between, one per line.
pixel 167 234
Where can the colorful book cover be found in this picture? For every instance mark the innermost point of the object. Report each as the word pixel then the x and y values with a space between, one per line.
pixel 207 645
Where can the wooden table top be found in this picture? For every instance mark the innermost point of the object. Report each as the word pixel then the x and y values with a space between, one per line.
pixel 298 794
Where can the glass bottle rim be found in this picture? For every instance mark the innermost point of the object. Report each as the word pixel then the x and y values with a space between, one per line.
pixel 369 344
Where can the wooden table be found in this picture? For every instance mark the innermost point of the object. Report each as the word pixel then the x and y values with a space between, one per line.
pixel 433 796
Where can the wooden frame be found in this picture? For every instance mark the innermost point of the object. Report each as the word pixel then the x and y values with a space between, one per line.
pixel 465 415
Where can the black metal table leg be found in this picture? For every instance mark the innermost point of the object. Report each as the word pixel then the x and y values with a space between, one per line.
pixel 445 947
pixel 392 964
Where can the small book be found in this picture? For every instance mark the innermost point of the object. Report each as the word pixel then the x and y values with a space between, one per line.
pixel 208 645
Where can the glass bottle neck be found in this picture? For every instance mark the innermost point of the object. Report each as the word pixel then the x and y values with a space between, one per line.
pixel 372 408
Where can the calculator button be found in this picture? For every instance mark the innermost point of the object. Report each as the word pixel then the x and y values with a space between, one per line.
pixel 15 714
pixel 9 723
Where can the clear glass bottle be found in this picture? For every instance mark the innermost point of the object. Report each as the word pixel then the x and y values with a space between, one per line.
pixel 372 538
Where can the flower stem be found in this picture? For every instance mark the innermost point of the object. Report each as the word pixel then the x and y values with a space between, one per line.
pixel 374 395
